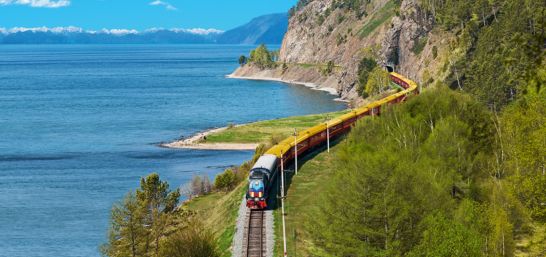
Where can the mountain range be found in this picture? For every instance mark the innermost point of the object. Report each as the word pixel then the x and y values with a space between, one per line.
pixel 267 29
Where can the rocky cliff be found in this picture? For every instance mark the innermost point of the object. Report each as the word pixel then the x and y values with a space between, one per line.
pixel 394 33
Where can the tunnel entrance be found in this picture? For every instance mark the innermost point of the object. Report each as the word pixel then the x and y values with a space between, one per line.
pixel 389 68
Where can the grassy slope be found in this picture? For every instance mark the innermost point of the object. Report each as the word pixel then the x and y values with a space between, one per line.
pixel 259 132
pixel 219 212
pixel 303 194
pixel 378 19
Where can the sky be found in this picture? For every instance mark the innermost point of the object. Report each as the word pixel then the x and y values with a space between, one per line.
pixel 136 14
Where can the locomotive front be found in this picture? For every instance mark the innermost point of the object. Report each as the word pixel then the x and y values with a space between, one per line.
pixel 260 181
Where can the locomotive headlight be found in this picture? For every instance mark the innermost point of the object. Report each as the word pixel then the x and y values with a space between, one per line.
pixel 256 199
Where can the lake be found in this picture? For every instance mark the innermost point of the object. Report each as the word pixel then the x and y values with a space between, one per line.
pixel 79 127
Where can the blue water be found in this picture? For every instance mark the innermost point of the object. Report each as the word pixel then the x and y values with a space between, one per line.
pixel 79 124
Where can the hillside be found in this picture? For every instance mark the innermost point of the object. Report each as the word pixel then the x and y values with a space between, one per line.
pixel 456 171
pixel 267 29
pixel 427 41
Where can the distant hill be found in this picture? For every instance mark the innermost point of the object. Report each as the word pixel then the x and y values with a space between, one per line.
pixel 64 36
pixel 267 29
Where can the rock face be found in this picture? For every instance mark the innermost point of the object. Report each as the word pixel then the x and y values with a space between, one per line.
pixel 397 35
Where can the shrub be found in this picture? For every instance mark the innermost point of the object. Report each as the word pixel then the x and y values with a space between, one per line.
pixel 194 240
pixel 434 52
pixel 328 69
pixel 225 181
pixel 242 60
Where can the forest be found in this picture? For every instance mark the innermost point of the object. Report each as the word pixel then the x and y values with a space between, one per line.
pixel 461 169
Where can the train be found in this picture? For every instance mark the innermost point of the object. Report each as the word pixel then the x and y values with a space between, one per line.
pixel 264 172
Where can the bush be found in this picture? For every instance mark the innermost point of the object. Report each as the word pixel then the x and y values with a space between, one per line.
pixel 194 240
pixel 328 69
pixel 225 181
pixel 242 60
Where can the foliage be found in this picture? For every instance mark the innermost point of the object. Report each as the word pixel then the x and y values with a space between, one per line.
pixel 192 240
pixel 500 44
pixel 419 45
pixel 422 160
pixel 365 66
pixel 328 69
pixel 262 57
pixel 138 223
pixel 198 186
pixel 379 18
pixel 524 138
pixel 225 181
pixel 378 81
pixel 443 237
pixel 297 7
pixel 242 60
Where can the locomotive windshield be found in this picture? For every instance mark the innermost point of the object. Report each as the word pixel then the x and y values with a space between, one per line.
pixel 256 185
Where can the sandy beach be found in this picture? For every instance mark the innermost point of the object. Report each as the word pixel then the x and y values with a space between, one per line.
pixel 313 86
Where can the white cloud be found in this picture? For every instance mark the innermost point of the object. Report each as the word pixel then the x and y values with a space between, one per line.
pixel 168 6
pixel 70 29
pixel 119 32
pixel 38 3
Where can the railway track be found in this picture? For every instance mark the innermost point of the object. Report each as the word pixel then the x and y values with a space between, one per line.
pixel 255 237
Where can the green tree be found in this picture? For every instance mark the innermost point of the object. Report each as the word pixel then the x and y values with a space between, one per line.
pixel 378 81
pixel 443 237
pixel 157 201
pixel 365 66
pixel 225 181
pixel 242 60
pixel 262 57
pixel 127 232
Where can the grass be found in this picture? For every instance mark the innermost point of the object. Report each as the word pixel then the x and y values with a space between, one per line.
pixel 532 244
pixel 262 131
pixel 419 45
pixel 303 195
pixel 219 212
pixel 378 19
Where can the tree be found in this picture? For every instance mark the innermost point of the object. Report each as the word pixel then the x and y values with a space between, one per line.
pixel 378 81
pixel 242 60
pixel 262 57
pixel 156 200
pixel 443 237
pixel 225 181
pixel 126 233
pixel 197 185
pixel 365 66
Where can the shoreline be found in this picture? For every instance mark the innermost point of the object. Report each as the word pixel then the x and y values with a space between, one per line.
pixel 192 142
pixel 313 86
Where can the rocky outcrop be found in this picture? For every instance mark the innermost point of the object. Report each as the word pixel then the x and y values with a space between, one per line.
pixel 406 39
pixel 321 31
